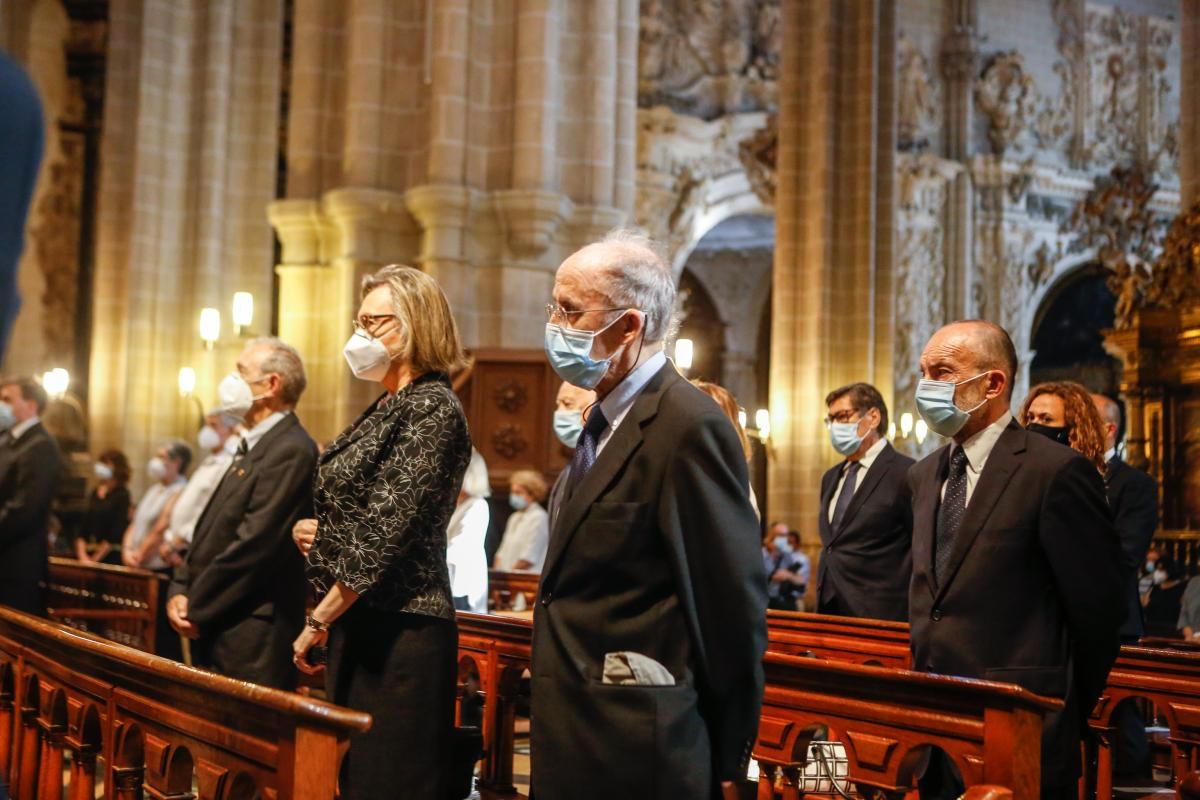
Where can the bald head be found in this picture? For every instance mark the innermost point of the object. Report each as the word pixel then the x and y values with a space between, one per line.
pixel 1110 413
pixel 979 359
pixel 983 346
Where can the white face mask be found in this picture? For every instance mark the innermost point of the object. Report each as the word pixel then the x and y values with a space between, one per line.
pixel 234 395
pixel 103 471
pixel 156 469
pixel 208 439
pixel 368 358
pixel 231 444
pixel 1160 576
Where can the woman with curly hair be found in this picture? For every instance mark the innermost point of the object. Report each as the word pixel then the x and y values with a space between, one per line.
pixel 1064 411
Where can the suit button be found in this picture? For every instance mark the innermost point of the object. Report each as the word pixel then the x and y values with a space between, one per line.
pixel 547 597
pixel 936 615
pixel 829 549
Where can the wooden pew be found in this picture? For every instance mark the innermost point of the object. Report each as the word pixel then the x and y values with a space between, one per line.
pixel 871 642
pixel 160 728
pixel 947 712
pixel 885 717
pixel 503 588
pixel 118 603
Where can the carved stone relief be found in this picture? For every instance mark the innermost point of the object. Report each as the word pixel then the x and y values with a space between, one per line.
pixel 1007 96
pixel 706 58
pixel 917 112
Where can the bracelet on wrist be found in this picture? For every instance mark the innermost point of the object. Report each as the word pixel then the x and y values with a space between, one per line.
pixel 316 624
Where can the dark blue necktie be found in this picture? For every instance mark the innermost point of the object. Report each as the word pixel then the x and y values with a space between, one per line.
pixel 950 515
pixel 843 501
pixel 585 448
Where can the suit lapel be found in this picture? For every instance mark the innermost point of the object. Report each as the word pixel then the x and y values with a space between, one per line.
pixel 870 482
pixel 1001 464
pixel 828 484
pixel 925 509
pixel 617 451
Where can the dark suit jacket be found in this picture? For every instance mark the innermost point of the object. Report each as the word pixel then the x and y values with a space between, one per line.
pixel 30 469
pixel 1033 592
pixel 244 577
pixel 656 552
pixel 1133 497
pixel 866 566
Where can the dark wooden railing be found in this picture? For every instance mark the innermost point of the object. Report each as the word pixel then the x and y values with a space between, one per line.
pixel 1182 546
pixel 503 588
pixel 117 603
pixel 144 726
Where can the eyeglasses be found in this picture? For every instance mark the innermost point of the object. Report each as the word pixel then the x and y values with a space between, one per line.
pixel 557 314
pixel 844 416
pixel 369 323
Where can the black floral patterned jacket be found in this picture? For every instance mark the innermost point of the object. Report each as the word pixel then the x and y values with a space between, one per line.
pixel 383 494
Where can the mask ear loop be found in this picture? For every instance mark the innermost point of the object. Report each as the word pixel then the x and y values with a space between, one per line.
pixel 641 345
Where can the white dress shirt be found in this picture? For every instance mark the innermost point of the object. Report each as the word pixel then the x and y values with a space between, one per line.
pixel 16 431
pixel 465 554
pixel 526 537
pixel 978 448
pixel 255 434
pixel 194 497
pixel 864 464
pixel 619 401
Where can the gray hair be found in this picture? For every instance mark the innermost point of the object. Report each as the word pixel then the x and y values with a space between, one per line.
pixel 180 453
pixel 283 360
pixel 638 275
pixel 475 480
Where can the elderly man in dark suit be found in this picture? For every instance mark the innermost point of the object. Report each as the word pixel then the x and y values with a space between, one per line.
pixel 865 519
pixel 650 628
pixel 30 469
pixel 240 594
pixel 1017 571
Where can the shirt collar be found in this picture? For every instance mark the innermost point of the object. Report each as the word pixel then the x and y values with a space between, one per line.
pixel 18 430
pixel 618 402
pixel 1110 454
pixel 872 453
pixel 979 446
pixel 260 430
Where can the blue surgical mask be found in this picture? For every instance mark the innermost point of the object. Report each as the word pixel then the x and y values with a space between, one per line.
pixel 935 404
pixel 517 502
pixel 7 418
pixel 570 354
pixel 844 437
pixel 568 426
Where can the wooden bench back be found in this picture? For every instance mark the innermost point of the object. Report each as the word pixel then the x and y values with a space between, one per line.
pixel 117 603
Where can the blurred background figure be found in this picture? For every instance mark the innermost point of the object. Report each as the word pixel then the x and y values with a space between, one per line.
pixel 167 470
pixel 728 404
pixel 465 535
pixel 107 514
pixel 30 470
pixel 1064 412
pixel 527 534
pixel 570 405
pixel 1164 601
pixel 787 576
pixel 217 443
pixel 21 140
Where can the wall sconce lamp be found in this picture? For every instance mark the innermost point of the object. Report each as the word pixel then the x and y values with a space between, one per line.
pixel 210 326
pixel 243 312
pixel 187 389
pixel 761 430
pixel 909 426
pixel 684 350
pixel 56 382
pixel 906 424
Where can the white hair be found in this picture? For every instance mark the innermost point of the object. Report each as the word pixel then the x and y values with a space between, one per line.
pixel 283 360
pixel 475 480
pixel 638 275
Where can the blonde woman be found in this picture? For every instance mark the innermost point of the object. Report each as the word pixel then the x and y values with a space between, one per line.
pixel 527 534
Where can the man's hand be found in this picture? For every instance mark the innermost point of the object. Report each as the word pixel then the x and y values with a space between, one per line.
pixel 304 533
pixel 177 608
pixel 781 576
pixel 130 558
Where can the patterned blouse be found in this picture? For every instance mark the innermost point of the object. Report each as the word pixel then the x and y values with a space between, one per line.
pixel 384 493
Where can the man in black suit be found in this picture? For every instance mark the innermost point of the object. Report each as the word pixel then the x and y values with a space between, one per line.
pixel 30 469
pixel 865 518
pixel 650 627
pixel 240 594
pixel 1017 572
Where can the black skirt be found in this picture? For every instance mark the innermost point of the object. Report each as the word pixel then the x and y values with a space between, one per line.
pixel 402 670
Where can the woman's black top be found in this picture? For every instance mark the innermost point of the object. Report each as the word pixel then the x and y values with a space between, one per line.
pixel 106 518
pixel 1162 610
pixel 384 493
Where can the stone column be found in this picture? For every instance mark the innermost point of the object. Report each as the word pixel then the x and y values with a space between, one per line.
pixel 960 64
pixel 827 274
pixel 1189 99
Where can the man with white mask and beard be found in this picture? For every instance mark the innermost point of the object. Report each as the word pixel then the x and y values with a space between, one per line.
pixel 240 593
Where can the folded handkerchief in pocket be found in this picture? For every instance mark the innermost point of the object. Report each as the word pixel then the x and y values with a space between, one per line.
pixel 629 668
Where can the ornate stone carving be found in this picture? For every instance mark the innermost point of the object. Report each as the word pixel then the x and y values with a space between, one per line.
pixel 1176 279
pixel 1006 94
pixel 757 154
pixel 530 219
pixel 509 441
pixel 1056 119
pixel 55 238
pixel 511 396
pixel 917 110
pixel 1115 218
pixel 706 58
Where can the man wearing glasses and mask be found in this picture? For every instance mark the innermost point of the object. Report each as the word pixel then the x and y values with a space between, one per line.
pixel 650 630
pixel 865 518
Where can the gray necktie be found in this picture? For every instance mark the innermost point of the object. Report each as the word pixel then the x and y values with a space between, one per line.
pixel 843 501
pixel 950 515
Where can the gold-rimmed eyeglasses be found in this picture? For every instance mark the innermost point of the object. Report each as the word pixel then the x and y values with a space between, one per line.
pixel 369 323
pixel 557 314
